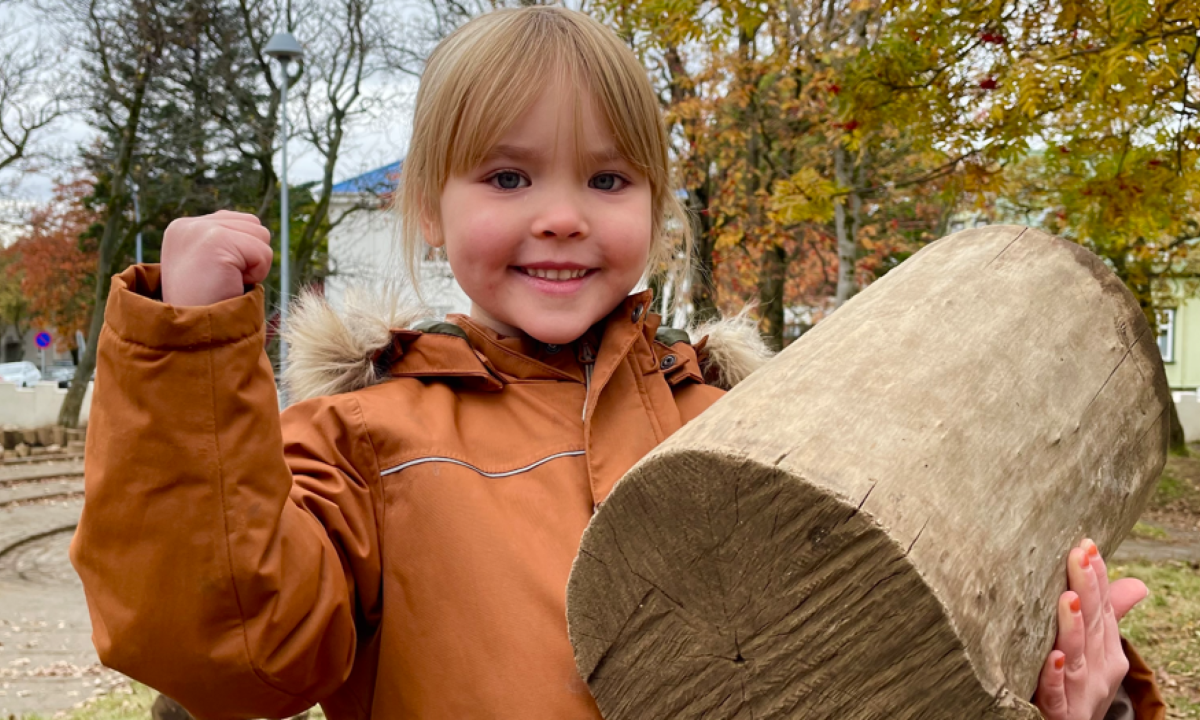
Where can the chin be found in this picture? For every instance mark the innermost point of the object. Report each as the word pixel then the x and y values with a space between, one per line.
pixel 562 333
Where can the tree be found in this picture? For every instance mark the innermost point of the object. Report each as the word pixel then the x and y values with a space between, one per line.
pixel 777 164
pixel 54 264
pixel 14 306
pixel 29 100
pixel 123 45
pixel 856 128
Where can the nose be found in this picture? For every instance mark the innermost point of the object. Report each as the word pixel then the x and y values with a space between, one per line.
pixel 561 218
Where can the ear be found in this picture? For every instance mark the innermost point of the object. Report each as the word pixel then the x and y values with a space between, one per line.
pixel 431 229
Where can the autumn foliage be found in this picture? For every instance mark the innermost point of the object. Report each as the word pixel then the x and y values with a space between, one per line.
pixel 821 143
pixel 54 263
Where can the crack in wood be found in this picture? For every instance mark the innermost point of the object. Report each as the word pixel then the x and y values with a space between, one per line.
pixel 918 537
pixel 862 502
pixel 1128 352
pixel 1006 247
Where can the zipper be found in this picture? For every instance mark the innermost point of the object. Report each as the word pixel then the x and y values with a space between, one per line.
pixel 588 358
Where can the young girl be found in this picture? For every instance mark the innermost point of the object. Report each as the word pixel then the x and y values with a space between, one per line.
pixel 397 544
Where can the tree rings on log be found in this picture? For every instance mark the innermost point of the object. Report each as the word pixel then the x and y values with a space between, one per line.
pixel 876 524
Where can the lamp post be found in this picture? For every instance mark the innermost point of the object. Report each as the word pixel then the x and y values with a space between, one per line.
pixel 137 217
pixel 284 48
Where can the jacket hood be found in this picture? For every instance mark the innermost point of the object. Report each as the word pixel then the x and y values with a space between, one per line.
pixel 331 352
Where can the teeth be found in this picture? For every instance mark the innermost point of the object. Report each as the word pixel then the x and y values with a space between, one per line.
pixel 550 274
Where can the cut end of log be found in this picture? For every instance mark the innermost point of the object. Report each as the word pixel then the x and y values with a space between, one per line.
pixel 700 581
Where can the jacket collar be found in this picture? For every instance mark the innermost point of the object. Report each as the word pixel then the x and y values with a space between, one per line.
pixel 492 359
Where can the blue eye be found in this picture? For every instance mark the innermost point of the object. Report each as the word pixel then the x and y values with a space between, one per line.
pixel 608 182
pixel 508 180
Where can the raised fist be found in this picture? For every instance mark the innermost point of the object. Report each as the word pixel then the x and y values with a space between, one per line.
pixel 211 258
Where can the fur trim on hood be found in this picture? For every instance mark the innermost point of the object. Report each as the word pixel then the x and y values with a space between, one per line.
pixel 331 353
pixel 734 348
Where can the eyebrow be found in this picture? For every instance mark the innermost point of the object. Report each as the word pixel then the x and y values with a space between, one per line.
pixel 518 153
pixel 513 152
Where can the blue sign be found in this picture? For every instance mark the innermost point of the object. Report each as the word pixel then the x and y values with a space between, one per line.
pixel 43 340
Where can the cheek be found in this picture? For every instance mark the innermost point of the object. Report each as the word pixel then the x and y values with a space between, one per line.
pixel 636 231
pixel 478 246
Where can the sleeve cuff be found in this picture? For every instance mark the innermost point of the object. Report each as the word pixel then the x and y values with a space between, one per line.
pixel 1139 685
pixel 136 313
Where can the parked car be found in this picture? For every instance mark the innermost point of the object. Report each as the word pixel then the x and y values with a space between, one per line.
pixel 61 374
pixel 22 373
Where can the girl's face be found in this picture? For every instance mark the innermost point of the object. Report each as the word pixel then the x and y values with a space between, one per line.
pixel 540 244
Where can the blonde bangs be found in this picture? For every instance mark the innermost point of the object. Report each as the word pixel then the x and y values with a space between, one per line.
pixel 484 76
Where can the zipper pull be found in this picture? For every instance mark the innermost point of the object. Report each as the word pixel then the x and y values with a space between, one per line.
pixel 588 357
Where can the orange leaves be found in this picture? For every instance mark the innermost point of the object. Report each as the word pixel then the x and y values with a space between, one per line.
pixel 55 268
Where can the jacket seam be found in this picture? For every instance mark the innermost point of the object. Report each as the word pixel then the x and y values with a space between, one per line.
pixel 373 478
pixel 199 347
pixel 639 381
pixel 258 672
pixel 526 358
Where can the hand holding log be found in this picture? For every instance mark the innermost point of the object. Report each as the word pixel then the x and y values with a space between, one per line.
pixel 875 524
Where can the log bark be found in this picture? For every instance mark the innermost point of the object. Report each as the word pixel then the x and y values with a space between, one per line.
pixel 876 524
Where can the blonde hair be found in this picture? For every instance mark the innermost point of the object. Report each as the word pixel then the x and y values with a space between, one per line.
pixel 482 77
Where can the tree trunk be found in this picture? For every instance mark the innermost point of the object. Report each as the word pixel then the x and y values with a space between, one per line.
pixel 704 300
pixel 110 243
pixel 771 284
pixel 847 249
pixel 876 523
pixel 1178 444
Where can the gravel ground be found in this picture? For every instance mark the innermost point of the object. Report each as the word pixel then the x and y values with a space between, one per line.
pixel 47 663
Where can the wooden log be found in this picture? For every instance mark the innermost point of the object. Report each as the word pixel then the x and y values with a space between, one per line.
pixel 876 524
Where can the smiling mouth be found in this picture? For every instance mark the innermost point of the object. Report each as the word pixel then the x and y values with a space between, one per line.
pixel 553 274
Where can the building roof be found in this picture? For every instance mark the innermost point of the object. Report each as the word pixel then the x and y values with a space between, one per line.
pixel 377 182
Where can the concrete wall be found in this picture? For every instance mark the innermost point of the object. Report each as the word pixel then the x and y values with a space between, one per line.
pixel 37 406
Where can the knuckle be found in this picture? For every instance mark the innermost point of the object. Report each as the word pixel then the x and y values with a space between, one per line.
pixel 1120 668
pixel 1076 665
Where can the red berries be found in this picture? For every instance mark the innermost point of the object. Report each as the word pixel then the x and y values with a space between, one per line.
pixel 993 38
pixel 988 84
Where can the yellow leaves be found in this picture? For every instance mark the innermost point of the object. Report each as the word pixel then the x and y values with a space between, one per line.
pixel 804 197
pixel 729 237
pixel 1031 93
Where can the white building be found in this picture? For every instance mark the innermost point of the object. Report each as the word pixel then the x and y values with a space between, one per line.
pixel 364 245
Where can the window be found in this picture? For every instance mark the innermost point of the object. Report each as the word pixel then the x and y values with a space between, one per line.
pixel 1166 334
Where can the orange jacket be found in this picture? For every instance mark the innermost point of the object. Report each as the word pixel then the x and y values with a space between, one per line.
pixel 400 551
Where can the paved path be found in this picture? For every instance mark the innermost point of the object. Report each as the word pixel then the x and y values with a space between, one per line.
pixel 1180 544
pixel 10 474
pixel 47 662
pixel 62 487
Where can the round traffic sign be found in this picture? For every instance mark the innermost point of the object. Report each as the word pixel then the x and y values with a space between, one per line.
pixel 43 340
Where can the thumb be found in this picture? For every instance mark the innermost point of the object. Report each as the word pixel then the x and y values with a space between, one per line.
pixel 1125 593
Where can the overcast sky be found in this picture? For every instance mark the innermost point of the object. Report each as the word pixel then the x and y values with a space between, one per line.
pixel 368 146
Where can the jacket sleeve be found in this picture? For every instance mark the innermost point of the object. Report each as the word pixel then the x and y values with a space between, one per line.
pixel 1144 696
pixel 228 559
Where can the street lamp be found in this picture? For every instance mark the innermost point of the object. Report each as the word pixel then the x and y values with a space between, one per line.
pixel 137 217
pixel 284 48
